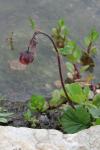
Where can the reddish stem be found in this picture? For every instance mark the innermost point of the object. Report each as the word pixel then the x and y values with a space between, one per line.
pixel 59 65
pixel 77 72
pixel 89 48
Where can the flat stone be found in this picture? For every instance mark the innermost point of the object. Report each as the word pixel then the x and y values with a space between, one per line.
pixel 12 138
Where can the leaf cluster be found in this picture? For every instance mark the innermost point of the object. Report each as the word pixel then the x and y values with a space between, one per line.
pixel 4 115
pixel 86 112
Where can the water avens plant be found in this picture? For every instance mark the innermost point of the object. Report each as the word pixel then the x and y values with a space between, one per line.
pixel 83 109
pixel 27 57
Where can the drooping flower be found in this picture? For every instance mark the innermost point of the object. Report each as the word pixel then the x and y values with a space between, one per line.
pixel 26 57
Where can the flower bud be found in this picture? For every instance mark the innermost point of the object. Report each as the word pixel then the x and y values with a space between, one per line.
pixel 26 57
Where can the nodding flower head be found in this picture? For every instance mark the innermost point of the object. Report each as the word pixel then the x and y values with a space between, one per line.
pixel 26 57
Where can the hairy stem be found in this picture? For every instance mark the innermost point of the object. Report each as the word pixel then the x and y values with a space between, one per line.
pixel 77 72
pixel 59 64
pixel 89 48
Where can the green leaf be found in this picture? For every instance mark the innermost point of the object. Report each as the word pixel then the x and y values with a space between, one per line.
pixel 61 22
pixel 97 121
pixel 64 31
pixel 93 51
pixel 86 91
pixel 56 99
pixel 95 112
pixel 68 49
pixel 94 35
pixel 76 93
pixel 54 32
pixel 28 115
pixel 70 67
pixel 87 40
pixel 96 100
pixel 75 120
pixel 32 23
pixel 84 68
pixel 77 55
pixel 71 51
pixel 74 56
pixel 34 121
pixel 5 114
pixel 3 120
pixel 38 103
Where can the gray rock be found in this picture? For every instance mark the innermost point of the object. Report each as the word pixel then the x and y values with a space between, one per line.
pixel 12 138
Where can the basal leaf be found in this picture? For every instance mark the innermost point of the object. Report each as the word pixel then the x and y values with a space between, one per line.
pixel 3 120
pixel 28 115
pixel 56 99
pixel 37 103
pixel 86 91
pixel 75 120
pixel 97 121
pixel 95 112
pixel 96 100
pixel 75 93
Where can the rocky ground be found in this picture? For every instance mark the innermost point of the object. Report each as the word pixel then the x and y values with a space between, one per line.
pixel 12 138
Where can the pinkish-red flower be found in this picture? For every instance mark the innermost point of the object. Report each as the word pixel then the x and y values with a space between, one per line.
pixel 26 57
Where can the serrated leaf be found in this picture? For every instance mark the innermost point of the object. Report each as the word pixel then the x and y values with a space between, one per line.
pixel 71 51
pixel 75 93
pixel 37 103
pixel 75 120
pixel 73 57
pixel 56 99
pixel 68 49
